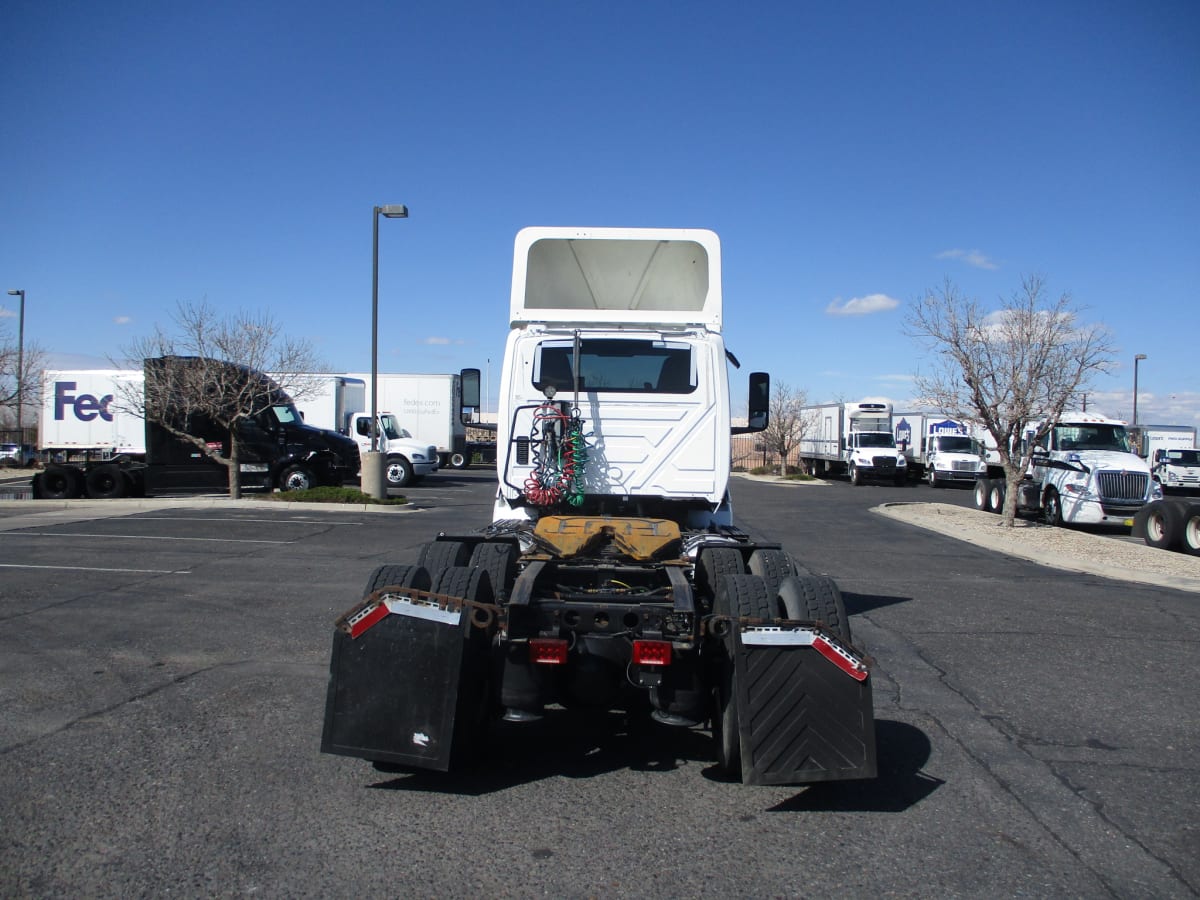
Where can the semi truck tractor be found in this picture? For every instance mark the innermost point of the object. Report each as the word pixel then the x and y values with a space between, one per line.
pixel 613 574
pixel 338 403
pixel 97 441
pixel 939 449
pixel 854 439
pixel 1082 471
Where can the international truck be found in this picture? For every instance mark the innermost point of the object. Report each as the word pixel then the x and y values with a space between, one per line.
pixel 613 575
pixel 98 443
pixel 1082 471
pixel 429 407
pixel 854 439
pixel 939 449
pixel 339 403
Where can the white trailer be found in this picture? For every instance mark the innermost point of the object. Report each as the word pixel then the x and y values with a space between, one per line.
pixel 852 438
pixel 939 449
pixel 427 406
pixel 86 412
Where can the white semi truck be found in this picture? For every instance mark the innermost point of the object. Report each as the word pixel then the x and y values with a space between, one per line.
pixel 339 403
pixel 939 449
pixel 1083 471
pixel 852 438
pixel 613 574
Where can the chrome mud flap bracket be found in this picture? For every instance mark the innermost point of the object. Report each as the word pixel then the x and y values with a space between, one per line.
pixel 394 680
pixel 805 708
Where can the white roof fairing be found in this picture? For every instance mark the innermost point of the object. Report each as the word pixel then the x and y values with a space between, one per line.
pixel 626 276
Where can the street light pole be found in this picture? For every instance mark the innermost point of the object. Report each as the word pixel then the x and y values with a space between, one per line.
pixel 1137 359
pixel 373 466
pixel 20 373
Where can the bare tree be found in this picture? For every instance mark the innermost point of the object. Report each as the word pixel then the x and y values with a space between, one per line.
pixel 191 385
pixel 1012 369
pixel 31 359
pixel 787 425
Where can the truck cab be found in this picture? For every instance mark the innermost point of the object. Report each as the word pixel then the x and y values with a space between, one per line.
pixel 953 457
pixel 1085 472
pixel 1177 469
pixel 407 459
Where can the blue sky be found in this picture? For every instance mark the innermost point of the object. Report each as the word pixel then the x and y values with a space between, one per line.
pixel 851 156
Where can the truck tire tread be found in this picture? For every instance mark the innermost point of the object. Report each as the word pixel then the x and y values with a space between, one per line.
pixel 397 576
pixel 815 598
pixel 437 556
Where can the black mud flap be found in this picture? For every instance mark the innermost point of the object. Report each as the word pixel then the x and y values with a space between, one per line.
pixel 804 707
pixel 394 684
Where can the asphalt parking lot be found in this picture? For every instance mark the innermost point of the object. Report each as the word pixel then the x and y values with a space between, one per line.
pixel 164 669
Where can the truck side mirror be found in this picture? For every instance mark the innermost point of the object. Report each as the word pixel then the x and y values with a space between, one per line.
pixel 759 405
pixel 469 381
pixel 1159 455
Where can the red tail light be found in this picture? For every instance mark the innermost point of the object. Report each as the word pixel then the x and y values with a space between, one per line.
pixel 548 651
pixel 652 653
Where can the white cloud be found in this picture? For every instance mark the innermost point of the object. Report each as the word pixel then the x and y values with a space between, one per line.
pixel 436 341
pixel 976 258
pixel 6 313
pixel 123 320
pixel 861 306
pixel 898 379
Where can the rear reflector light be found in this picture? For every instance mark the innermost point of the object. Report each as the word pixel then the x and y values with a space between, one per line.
pixel 652 653
pixel 548 651
pixel 841 659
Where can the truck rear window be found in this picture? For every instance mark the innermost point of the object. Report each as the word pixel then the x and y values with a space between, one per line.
pixel 616 366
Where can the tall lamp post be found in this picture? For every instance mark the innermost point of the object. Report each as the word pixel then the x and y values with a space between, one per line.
pixel 20 372
pixel 373 465
pixel 1137 359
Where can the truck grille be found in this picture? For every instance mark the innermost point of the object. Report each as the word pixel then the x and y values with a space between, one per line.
pixel 1121 485
pixel 884 462
pixel 963 465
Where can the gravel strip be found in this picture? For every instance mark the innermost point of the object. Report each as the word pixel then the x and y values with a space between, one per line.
pixel 1062 548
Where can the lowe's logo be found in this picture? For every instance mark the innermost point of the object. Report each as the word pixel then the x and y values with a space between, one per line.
pixel 903 432
pixel 84 406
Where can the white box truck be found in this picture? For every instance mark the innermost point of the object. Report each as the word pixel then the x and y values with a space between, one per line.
pixel 852 438
pixel 339 402
pixel 429 407
pixel 612 574
pixel 939 449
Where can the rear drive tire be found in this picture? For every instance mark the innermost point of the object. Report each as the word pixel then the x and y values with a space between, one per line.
pixel 1160 525
pixel 106 482
pixel 772 566
pixel 473 708
pixel 713 563
pixel 1190 529
pixel 815 598
pixel 996 496
pixel 459 461
pixel 736 596
pixel 57 483
pixel 398 472
pixel 499 560
pixel 983 494
pixel 397 576
pixel 437 556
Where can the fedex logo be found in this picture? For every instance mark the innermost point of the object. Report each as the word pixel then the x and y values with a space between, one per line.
pixel 85 406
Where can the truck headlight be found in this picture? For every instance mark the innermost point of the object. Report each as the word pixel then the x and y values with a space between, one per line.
pixel 1156 491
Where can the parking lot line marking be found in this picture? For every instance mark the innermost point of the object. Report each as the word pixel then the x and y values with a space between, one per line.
pixel 98 569
pixel 137 537
pixel 298 520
